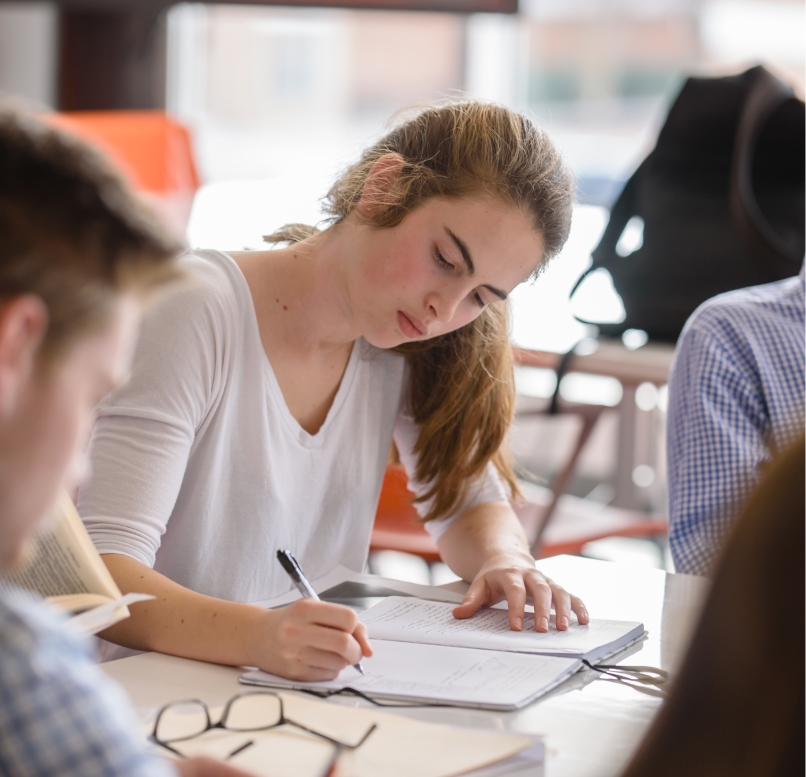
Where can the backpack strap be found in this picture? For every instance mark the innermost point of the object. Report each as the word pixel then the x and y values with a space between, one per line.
pixel 605 252
pixel 560 369
pixel 766 94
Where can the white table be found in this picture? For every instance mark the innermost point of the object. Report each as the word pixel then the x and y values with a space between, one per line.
pixel 589 731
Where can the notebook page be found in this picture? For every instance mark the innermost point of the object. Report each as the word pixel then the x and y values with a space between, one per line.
pixel 416 620
pixel 461 676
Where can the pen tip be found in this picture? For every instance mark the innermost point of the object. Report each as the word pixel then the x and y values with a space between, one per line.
pixel 359 668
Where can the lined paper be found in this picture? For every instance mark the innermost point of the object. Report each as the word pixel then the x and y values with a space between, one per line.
pixel 405 619
pixel 461 676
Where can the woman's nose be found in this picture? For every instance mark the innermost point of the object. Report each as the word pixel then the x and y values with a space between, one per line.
pixel 443 305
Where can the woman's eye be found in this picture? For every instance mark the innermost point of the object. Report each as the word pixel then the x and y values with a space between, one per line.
pixel 441 260
pixel 478 300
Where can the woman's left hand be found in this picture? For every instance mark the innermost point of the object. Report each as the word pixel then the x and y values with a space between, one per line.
pixel 512 577
pixel 487 545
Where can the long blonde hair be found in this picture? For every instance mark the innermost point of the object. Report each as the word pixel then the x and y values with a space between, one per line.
pixel 462 390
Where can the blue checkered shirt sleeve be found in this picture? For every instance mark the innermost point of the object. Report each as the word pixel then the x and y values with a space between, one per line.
pixel 736 395
pixel 59 715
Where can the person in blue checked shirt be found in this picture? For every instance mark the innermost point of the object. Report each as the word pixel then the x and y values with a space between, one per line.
pixel 736 397
pixel 77 256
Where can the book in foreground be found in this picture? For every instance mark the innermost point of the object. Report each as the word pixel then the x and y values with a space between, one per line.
pixel 399 746
pixel 64 567
pixel 424 655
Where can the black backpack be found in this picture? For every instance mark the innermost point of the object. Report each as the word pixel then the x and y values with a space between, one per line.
pixel 722 202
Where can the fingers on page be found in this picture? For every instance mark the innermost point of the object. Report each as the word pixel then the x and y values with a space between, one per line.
pixel 562 606
pixel 541 596
pixel 474 598
pixel 515 592
pixel 579 609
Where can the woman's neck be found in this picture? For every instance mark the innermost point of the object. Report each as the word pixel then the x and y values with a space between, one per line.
pixel 301 293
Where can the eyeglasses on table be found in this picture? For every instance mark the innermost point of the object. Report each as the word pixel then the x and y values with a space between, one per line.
pixel 181 721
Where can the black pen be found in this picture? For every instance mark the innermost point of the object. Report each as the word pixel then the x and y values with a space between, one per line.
pixel 291 565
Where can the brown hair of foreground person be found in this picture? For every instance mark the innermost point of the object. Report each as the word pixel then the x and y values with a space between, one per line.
pixel 737 706
pixel 71 231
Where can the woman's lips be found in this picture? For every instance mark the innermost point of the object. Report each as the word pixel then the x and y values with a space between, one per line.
pixel 409 326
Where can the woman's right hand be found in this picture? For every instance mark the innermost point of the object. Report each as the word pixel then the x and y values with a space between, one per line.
pixel 311 640
pixel 308 640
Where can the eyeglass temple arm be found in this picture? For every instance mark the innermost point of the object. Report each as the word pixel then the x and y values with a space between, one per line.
pixel 333 741
pixel 167 747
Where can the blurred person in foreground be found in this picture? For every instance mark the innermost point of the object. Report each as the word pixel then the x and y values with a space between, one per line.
pixel 736 398
pixel 77 257
pixel 737 706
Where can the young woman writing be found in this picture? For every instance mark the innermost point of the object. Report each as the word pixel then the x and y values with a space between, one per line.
pixel 266 394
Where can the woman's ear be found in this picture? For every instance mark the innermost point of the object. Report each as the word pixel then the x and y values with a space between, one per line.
pixel 23 324
pixel 380 185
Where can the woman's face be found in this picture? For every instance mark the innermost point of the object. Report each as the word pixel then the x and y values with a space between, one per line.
pixel 439 268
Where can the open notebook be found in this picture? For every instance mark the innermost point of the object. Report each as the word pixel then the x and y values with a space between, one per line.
pixel 424 655
pixel 405 619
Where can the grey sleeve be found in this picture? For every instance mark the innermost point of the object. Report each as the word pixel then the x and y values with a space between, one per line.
pixel 145 430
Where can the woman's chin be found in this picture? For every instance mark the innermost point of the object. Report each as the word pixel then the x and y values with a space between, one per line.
pixel 386 339
pixel 386 343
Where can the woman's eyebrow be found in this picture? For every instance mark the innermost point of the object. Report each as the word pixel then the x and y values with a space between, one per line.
pixel 465 251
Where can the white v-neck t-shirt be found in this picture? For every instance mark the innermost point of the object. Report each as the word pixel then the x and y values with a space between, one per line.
pixel 199 470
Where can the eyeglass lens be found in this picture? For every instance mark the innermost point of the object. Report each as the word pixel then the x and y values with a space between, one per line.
pixel 249 712
pixel 180 721
pixel 253 711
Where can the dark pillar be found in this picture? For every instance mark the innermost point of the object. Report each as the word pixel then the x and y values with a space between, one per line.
pixel 112 57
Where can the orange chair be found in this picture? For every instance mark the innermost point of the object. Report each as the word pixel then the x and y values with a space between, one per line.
pixel 152 150
pixel 396 520
pixel 397 524
pixel 553 525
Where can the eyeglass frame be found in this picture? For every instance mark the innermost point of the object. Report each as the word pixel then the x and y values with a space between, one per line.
pixel 284 721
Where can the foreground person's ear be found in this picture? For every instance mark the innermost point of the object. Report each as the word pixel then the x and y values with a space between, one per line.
pixel 23 323
pixel 380 184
